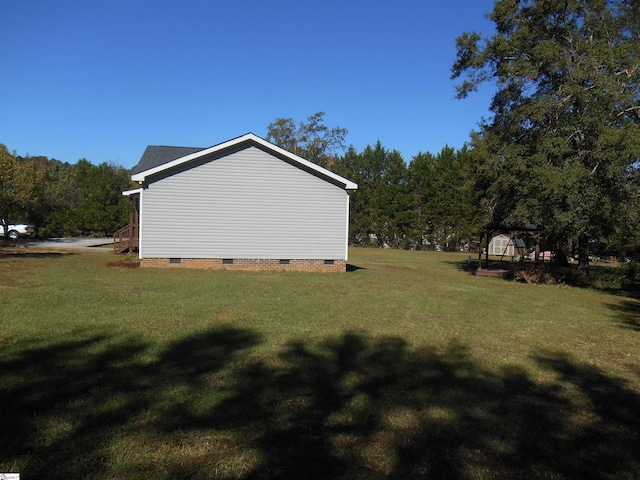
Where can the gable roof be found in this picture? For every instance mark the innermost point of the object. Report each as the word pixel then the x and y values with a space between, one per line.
pixel 159 159
pixel 513 240
pixel 155 155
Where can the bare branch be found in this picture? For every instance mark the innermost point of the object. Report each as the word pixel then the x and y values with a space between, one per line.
pixel 628 72
pixel 635 108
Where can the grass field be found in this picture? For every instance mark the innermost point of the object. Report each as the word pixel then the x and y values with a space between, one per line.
pixel 407 367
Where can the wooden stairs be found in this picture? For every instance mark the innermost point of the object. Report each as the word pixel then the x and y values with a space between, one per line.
pixel 127 239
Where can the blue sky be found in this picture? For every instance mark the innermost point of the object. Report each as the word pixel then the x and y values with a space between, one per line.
pixel 102 79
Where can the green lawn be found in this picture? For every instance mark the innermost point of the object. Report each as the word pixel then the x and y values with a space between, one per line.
pixel 407 367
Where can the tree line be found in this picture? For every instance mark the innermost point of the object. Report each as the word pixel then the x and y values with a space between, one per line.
pixel 434 201
pixel 62 199
pixel 419 205
pixel 397 205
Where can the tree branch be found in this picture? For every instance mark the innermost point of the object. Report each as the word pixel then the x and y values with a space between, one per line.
pixel 628 72
pixel 635 108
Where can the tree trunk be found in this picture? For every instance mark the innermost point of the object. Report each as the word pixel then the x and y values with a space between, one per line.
pixel 583 253
pixel 560 257
pixel 486 251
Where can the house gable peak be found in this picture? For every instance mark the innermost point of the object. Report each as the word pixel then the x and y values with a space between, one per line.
pixel 153 165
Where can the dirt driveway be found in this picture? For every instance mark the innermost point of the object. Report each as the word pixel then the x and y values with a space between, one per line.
pixel 72 243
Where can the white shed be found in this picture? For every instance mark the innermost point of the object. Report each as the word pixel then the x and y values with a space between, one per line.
pixel 506 245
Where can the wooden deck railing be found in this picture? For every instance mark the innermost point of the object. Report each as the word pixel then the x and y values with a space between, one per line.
pixel 127 239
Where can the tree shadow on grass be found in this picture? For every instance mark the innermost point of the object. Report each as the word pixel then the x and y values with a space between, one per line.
pixel 349 407
pixel 468 265
pixel 64 403
pixel 628 314
pixel 14 253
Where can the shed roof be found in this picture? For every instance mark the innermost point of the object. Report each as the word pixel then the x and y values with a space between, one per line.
pixel 516 241
pixel 157 159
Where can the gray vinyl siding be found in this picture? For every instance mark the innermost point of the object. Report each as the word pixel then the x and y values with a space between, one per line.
pixel 248 204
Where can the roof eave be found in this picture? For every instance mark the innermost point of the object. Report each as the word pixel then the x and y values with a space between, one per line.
pixel 141 176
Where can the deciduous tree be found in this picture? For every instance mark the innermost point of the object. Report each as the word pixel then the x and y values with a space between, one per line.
pixel 312 140
pixel 14 187
pixel 100 204
pixel 52 193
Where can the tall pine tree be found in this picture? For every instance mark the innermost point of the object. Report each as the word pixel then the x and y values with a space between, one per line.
pixel 562 145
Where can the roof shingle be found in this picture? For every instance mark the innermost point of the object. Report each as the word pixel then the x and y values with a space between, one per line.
pixel 155 156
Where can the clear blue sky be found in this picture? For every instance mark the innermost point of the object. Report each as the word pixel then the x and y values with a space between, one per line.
pixel 102 79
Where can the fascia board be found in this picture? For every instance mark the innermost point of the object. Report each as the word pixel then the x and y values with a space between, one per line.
pixel 126 193
pixel 348 185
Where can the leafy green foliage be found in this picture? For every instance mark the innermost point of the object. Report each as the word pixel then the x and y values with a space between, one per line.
pixel 62 199
pixel 99 204
pixel 312 140
pixel 7 185
pixel 381 211
pixel 14 187
pixel 440 201
pixel 562 146
pixel 426 204
pixel 52 188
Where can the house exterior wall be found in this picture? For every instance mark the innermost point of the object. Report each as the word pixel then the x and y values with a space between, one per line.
pixel 250 264
pixel 247 204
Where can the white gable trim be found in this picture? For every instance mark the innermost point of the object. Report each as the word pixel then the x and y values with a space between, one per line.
pixel 295 159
